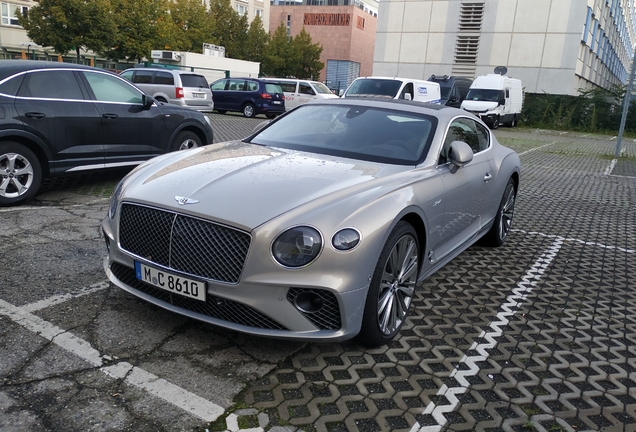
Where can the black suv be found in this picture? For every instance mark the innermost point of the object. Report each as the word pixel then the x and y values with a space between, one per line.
pixel 57 118
pixel 251 96
pixel 454 89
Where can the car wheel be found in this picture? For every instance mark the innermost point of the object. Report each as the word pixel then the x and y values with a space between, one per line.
pixel 186 140
pixel 503 220
pixel 248 110
pixel 221 111
pixel 160 99
pixel 495 123
pixel 20 174
pixel 392 287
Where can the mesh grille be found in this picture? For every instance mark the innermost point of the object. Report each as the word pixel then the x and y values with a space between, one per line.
pixel 328 317
pixel 183 243
pixel 215 307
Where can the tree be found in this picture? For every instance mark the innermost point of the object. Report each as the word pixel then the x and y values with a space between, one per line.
pixel 193 24
pixel 276 54
pixel 256 41
pixel 142 25
pixel 231 28
pixel 305 56
pixel 69 25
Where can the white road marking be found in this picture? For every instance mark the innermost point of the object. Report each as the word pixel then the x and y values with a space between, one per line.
pixel 57 299
pixel 508 308
pixel 131 375
pixel 537 148
pixel 610 168
pixel 571 239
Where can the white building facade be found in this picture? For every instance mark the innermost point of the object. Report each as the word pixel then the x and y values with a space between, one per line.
pixel 553 46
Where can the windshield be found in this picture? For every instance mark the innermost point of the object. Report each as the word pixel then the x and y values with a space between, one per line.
pixel 374 87
pixel 445 88
pixel 486 95
pixel 321 88
pixel 365 133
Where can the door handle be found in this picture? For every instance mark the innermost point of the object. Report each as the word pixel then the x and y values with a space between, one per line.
pixel 487 177
pixel 36 115
pixel 110 116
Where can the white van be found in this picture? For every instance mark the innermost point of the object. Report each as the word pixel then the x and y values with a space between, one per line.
pixel 298 92
pixel 496 99
pixel 395 88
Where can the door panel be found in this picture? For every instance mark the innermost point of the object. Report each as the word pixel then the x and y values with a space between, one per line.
pixel 52 106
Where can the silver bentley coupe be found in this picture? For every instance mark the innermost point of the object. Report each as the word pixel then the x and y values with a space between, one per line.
pixel 317 227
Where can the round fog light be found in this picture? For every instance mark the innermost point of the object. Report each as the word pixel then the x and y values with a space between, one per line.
pixel 308 302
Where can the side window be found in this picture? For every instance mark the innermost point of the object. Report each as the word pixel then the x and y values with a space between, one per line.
pixel 52 84
pixel 164 78
pixel 108 88
pixel 305 89
pixel 252 86
pixel 507 93
pixel 128 75
pixel 468 131
pixel 10 87
pixel 288 87
pixel 143 77
pixel 219 85
pixel 408 88
pixel 236 85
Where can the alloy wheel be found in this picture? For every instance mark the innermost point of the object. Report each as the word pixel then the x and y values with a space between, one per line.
pixel 507 212
pixel 16 175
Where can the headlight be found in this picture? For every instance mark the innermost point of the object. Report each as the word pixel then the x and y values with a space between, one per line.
pixel 115 199
pixel 345 239
pixel 297 246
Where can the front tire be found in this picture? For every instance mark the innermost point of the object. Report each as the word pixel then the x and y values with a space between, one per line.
pixel 392 287
pixel 20 174
pixel 186 140
pixel 495 123
pixel 249 110
pixel 503 220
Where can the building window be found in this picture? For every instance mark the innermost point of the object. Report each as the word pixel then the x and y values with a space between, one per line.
pixel 9 12
pixel 258 13
pixel 241 9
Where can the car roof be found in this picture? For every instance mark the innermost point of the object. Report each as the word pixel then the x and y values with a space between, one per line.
pixel 11 67
pixel 160 69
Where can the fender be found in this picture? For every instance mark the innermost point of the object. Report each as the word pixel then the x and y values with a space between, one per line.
pixel 190 123
pixel 33 141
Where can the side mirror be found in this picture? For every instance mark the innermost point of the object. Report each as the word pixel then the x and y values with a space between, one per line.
pixel 502 101
pixel 147 101
pixel 459 155
pixel 407 96
pixel 452 99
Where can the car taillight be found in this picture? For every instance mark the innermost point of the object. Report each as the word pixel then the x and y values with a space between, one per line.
pixel 266 96
pixel 180 93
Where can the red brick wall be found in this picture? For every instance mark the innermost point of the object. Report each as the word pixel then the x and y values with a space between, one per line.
pixel 338 42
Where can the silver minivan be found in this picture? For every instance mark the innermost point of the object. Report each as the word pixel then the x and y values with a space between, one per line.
pixel 174 86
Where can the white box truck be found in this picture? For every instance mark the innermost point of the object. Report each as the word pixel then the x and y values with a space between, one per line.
pixel 496 99
pixel 395 88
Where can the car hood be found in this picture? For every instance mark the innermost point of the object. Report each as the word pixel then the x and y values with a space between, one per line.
pixel 478 106
pixel 245 185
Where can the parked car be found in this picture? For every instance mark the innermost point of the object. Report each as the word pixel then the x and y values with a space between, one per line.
pixel 454 89
pixel 251 96
pixel 320 225
pixel 298 92
pixel 395 88
pixel 59 118
pixel 178 87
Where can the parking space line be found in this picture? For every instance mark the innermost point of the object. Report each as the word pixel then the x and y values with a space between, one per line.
pixel 571 239
pixel 537 148
pixel 130 374
pixel 610 168
pixel 57 299
pixel 508 308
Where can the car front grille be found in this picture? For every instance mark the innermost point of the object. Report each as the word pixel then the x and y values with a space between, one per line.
pixel 183 243
pixel 215 307
pixel 328 317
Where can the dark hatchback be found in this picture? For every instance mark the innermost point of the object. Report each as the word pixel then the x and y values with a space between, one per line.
pixel 251 96
pixel 57 118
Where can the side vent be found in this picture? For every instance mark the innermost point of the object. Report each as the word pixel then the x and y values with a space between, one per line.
pixel 467 45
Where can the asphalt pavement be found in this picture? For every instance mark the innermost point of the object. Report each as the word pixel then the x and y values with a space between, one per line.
pixel 539 334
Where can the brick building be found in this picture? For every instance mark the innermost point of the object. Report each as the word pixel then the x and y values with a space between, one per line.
pixel 346 33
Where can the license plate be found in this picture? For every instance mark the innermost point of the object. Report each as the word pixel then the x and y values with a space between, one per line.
pixel 170 282
pixel 276 102
pixel 199 95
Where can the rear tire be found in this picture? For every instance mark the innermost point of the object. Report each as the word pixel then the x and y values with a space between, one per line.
pixel 270 116
pixel 392 287
pixel 503 220
pixel 186 140
pixel 249 110
pixel 20 174
pixel 221 111
pixel 161 99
